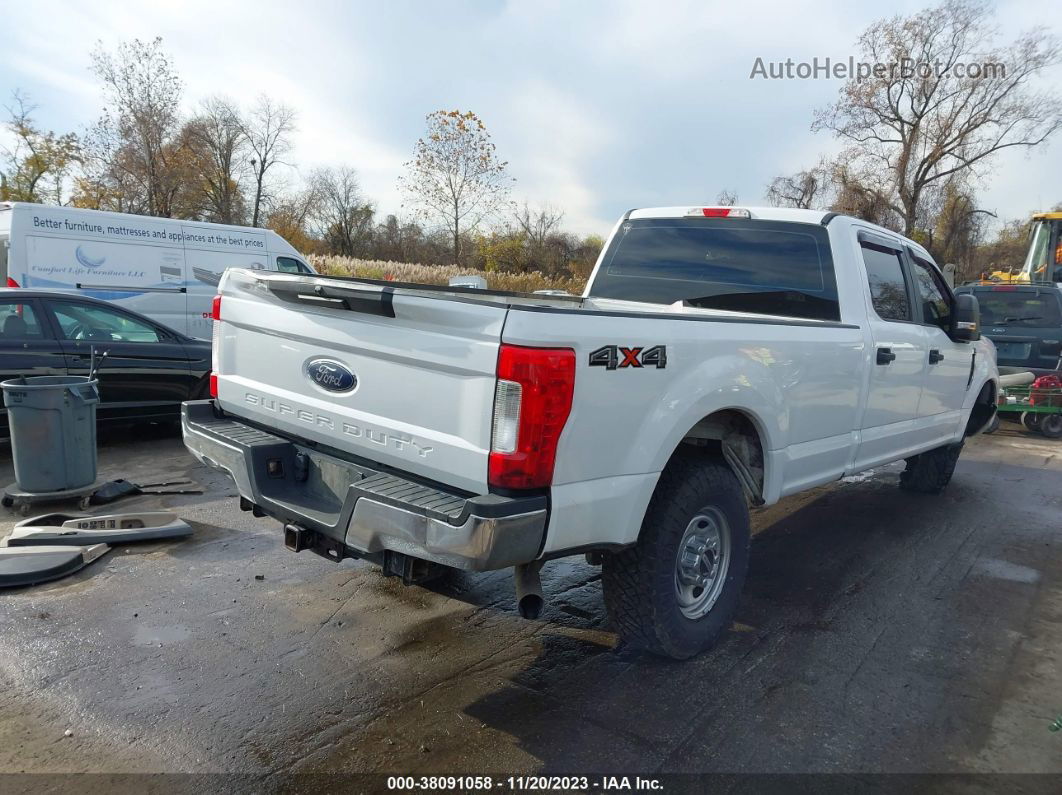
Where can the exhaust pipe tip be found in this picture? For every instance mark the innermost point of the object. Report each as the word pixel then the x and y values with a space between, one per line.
pixel 529 600
pixel 530 606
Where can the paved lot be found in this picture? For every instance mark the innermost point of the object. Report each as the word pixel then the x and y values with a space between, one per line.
pixel 880 631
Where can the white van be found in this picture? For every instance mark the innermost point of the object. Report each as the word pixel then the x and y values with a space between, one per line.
pixel 164 268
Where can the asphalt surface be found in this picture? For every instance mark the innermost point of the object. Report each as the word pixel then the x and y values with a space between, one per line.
pixel 880 632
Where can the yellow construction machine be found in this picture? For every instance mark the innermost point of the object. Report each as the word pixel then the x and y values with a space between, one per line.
pixel 1043 262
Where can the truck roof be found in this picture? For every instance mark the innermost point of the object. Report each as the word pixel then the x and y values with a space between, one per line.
pixel 790 214
pixel 766 213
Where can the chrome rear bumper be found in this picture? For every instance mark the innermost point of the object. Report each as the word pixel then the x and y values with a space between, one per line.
pixel 366 509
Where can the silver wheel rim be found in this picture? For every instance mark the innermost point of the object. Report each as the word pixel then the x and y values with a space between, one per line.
pixel 702 563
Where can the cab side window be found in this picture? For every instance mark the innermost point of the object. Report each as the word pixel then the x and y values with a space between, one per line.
pixel 888 285
pixel 934 298
pixel 291 265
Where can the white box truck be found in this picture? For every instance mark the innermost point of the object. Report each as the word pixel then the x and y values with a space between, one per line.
pixel 165 268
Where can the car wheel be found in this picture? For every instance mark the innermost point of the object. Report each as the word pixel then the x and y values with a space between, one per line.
pixel 1051 426
pixel 676 590
pixel 931 471
pixel 992 426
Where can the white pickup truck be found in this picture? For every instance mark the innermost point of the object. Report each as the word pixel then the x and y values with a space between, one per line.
pixel 720 357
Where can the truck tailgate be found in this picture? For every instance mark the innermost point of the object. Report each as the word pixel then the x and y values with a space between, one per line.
pixel 424 378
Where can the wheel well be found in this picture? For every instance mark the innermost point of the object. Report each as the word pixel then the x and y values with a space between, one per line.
pixel 984 408
pixel 732 435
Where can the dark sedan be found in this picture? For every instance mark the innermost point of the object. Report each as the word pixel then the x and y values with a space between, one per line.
pixel 149 370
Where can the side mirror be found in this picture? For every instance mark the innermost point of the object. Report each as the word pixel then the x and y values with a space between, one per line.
pixel 966 319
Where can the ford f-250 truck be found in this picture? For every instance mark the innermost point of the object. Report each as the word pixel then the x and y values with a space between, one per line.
pixel 719 357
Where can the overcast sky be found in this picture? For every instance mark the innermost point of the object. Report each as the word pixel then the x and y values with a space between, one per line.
pixel 598 107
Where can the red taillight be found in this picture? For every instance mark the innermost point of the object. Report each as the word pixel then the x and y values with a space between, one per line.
pixel 11 282
pixel 215 344
pixel 715 212
pixel 533 398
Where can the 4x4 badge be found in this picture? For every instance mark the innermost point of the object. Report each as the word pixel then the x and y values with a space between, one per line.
pixel 617 357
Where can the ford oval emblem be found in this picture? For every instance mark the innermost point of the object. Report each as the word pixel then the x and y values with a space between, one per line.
pixel 331 375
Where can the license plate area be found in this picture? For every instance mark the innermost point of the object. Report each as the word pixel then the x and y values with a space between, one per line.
pixel 1014 350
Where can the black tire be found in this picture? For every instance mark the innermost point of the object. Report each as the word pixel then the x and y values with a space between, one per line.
pixel 931 471
pixel 1051 426
pixel 992 426
pixel 640 583
pixel 1031 420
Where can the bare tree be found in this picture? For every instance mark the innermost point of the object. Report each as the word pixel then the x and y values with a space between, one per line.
pixel 218 142
pixel 136 141
pixel 855 192
pixel 291 213
pixel 538 225
pixel 727 197
pixel 345 218
pixel 803 189
pixel 455 176
pixel 37 163
pixel 959 101
pixel 268 129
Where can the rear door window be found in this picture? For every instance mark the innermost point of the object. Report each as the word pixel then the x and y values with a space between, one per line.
pixel 19 321
pixel 888 283
pixel 743 265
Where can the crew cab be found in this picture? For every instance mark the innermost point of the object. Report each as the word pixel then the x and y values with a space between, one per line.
pixel 719 358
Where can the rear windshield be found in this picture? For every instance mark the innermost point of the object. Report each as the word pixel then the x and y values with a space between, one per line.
pixel 1002 307
pixel 770 267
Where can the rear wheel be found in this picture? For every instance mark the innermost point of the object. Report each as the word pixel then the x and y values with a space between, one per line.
pixel 1051 426
pixel 676 591
pixel 931 471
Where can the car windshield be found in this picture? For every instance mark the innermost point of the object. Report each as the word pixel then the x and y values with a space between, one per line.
pixel 1002 307
pixel 769 267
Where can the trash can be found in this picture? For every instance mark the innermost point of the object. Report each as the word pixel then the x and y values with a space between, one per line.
pixel 52 422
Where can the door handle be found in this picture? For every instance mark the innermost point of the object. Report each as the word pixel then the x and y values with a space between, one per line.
pixel 885 355
pixel 935 356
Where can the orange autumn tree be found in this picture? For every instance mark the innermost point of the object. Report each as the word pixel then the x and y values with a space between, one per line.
pixel 455 178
